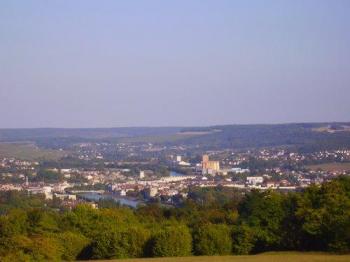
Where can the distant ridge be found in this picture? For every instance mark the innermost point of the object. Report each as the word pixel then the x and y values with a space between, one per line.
pixel 304 136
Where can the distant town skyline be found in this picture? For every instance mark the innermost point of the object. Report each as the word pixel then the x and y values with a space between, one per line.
pixel 185 63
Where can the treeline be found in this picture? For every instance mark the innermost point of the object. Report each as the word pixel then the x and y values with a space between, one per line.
pixel 212 222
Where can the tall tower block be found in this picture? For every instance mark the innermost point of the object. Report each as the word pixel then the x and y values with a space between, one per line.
pixel 205 161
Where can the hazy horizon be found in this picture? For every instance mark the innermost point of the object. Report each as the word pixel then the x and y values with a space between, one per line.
pixel 176 126
pixel 89 64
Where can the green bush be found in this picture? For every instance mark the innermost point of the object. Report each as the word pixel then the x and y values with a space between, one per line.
pixel 123 243
pixel 211 239
pixel 72 244
pixel 45 248
pixel 243 240
pixel 172 241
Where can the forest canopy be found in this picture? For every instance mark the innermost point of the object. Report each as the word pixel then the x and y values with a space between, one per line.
pixel 214 221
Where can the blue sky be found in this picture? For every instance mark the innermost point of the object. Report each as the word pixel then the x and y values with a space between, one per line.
pixel 160 63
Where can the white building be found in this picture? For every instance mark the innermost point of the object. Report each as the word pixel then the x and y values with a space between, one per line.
pixel 238 170
pixel 66 196
pixel 46 190
pixel 254 180
pixel 183 163
pixel 142 174
pixel 151 191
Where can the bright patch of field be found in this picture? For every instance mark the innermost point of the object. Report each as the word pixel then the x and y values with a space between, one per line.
pixel 343 128
pixel 266 257
pixel 199 133
pixel 156 139
pixel 338 167
pixel 28 151
pixel 167 138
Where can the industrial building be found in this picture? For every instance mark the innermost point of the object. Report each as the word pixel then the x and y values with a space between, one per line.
pixel 210 167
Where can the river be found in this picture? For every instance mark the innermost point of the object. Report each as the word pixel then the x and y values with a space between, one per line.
pixel 121 200
pixel 173 173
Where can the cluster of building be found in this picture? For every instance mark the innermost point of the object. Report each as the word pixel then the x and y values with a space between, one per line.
pixel 277 169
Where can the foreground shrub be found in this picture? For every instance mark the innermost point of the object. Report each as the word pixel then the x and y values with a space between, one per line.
pixel 212 239
pixel 126 243
pixel 243 240
pixel 72 244
pixel 45 249
pixel 172 241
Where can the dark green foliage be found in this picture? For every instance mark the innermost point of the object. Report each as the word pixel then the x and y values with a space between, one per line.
pixel 263 212
pixel 14 199
pixel 135 240
pixel 317 219
pixel 18 256
pixel 210 239
pixel 44 248
pixel 72 244
pixel 171 241
pixel 35 248
pixel 106 245
pixel 128 242
pixel 324 214
pixel 243 240
pixel 42 221
pixel 48 176
pixel 15 223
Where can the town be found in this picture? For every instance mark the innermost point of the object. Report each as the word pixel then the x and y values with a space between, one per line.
pixel 133 174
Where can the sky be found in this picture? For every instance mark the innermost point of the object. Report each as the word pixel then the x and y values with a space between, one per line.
pixel 173 63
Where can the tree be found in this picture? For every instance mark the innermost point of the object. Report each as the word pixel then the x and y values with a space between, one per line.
pixel 324 213
pixel 264 213
pixel 134 241
pixel 45 248
pixel 105 245
pixel 42 221
pixel 18 256
pixel 243 239
pixel 173 240
pixel 120 243
pixel 48 176
pixel 73 244
pixel 211 239
pixel 14 223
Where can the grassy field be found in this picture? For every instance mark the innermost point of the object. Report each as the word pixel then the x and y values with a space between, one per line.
pixel 331 167
pixel 344 128
pixel 266 257
pixel 28 151
pixel 157 139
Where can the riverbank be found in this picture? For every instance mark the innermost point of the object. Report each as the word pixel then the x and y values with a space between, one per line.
pixel 107 196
